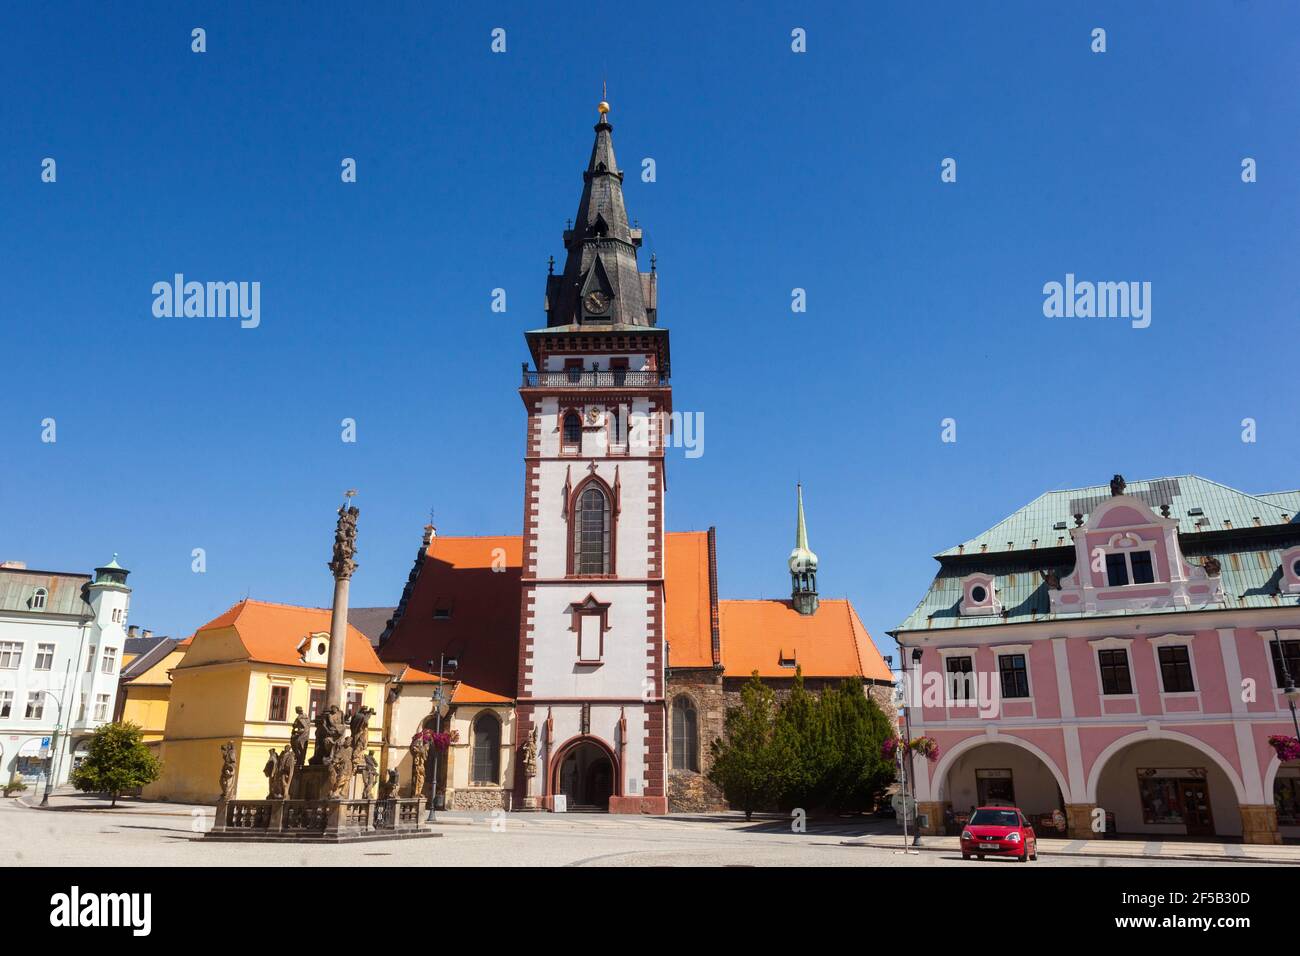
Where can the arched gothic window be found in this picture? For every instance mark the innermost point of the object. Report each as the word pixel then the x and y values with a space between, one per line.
pixel 686 734
pixel 572 438
pixel 485 765
pixel 591 533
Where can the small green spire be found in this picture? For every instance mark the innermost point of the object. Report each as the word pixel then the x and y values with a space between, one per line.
pixel 803 566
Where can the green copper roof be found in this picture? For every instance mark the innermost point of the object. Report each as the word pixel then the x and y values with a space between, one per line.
pixel 1039 523
pixel 802 557
pixel 1246 533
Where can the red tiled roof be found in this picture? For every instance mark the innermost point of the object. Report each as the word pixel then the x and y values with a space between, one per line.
pixel 482 630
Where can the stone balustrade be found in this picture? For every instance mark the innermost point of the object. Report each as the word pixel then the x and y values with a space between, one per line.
pixel 329 821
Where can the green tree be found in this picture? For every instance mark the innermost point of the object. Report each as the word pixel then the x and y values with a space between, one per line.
pixel 856 776
pixel 747 761
pixel 805 748
pixel 117 760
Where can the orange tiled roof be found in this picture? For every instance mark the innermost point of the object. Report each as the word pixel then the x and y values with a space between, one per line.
pixel 830 643
pixel 270 633
pixel 482 630
pixel 686 599
pixel 465 694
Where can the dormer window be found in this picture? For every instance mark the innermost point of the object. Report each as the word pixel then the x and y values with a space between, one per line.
pixel 783 661
pixel 38 599
pixel 1290 582
pixel 979 596
pixel 1129 567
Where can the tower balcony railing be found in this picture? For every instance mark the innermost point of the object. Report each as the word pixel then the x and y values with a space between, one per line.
pixel 591 378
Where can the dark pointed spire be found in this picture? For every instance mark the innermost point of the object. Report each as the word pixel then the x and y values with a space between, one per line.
pixel 601 283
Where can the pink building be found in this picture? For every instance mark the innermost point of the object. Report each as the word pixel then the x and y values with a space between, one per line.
pixel 1118 655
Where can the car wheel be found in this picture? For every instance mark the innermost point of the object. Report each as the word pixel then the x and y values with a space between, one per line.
pixel 965 856
pixel 1024 855
pixel 1034 856
pixel 980 855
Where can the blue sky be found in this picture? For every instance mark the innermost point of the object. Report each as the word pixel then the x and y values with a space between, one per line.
pixel 775 170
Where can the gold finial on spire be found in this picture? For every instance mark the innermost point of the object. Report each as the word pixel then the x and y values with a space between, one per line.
pixel 603 106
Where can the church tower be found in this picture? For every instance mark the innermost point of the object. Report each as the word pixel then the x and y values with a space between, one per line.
pixel 803 567
pixel 591 665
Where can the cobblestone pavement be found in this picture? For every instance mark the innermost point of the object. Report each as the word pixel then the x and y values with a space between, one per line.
pixel 81 831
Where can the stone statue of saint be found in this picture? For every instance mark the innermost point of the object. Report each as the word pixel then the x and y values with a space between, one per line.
pixel 228 770
pixel 299 736
pixel 284 771
pixel 530 754
pixel 340 769
pixel 272 773
pixel 369 774
pixel 388 786
pixel 331 727
pixel 419 757
pixel 345 542
pixel 360 727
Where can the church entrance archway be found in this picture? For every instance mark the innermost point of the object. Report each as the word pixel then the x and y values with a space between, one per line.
pixel 584 771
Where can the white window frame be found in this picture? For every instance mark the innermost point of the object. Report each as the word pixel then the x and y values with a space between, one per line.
pixel 90 659
pixel 6 700
pixel 950 702
pixel 41 650
pixel 11 655
pixel 1178 640
pixel 102 702
pixel 36 697
pixel 1113 547
pixel 39 599
pixel 1114 644
pixel 1007 650
pixel 108 660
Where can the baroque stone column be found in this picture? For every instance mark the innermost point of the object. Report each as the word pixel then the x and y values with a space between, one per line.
pixel 343 564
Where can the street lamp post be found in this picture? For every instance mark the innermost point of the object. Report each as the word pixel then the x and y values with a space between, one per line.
pixel 911 756
pixel 439 698
pixel 1289 689
pixel 54 750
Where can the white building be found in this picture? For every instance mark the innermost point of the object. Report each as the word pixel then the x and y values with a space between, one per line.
pixel 61 640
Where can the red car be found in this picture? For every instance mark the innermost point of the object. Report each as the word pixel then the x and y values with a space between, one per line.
pixel 999 831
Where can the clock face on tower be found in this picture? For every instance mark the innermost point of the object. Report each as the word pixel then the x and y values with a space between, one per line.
pixel 596 302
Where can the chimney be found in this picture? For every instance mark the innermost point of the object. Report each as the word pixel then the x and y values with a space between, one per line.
pixel 146 634
pixel 14 565
pixel 130 630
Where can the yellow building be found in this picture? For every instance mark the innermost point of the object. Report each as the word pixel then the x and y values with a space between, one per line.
pixel 242 678
pixel 145 688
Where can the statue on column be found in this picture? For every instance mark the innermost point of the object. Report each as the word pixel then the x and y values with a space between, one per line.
pixel 270 772
pixel 345 541
pixel 419 757
pixel 228 770
pixel 298 737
